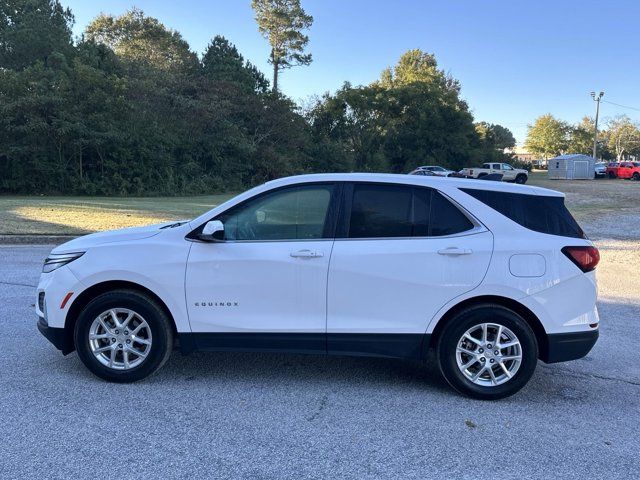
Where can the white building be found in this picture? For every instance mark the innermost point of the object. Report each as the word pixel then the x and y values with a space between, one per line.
pixel 575 166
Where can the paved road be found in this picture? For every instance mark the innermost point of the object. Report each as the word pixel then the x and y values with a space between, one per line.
pixel 276 416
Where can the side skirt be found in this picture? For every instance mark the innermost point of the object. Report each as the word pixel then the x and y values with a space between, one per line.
pixel 391 345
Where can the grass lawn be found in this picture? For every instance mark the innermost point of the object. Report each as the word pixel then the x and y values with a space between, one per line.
pixel 78 215
pixel 587 199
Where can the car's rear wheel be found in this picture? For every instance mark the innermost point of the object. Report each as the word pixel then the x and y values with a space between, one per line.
pixel 612 175
pixel 521 179
pixel 487 352
pixel 123 336
pixel 636 176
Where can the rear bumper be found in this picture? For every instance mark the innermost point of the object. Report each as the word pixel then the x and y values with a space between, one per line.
pixel 562 347
pixel 57 336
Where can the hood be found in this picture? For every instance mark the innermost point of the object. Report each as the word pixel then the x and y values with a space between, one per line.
pixel 112 236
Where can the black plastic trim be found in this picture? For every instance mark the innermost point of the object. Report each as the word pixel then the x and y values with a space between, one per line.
pixel 563 347
pixel 57 336
pixel 253 342
pixel 392 345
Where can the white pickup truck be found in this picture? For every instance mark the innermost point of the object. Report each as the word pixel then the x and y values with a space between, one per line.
pixel 509 174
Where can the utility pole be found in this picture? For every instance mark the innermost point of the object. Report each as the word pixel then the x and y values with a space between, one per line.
pixel 596 98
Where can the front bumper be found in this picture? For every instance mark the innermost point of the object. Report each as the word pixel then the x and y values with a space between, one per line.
pixel 562 347
pixel 57 336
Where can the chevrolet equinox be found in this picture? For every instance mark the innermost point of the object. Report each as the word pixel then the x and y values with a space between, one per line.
pixel 490 276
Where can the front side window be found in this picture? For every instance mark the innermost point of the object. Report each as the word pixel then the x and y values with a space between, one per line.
pixel 296 213
pixel 388 211
pixel 506 166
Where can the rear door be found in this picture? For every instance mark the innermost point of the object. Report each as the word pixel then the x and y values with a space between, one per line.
pixel 401 253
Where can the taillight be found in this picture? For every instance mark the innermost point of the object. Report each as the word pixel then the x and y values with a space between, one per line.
pixel 585 258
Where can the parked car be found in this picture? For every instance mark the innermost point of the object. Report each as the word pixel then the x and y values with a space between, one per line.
pixel 438 171
pixel 509 174
pixel 600 170
pixel 424 173
pixel 491 276
pixel 612 169
pixel 624 170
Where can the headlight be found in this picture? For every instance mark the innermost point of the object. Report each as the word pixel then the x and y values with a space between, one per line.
pixel 57 260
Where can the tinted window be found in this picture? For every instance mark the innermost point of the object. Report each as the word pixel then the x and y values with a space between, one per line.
pixel 446 218
pixel 381 211
pixel 535 212
pixel 289 214
pixel 399 211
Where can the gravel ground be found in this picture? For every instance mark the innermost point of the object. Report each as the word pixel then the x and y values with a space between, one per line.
pixel 277 416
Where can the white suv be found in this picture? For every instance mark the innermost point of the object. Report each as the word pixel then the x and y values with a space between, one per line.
pixel 492 276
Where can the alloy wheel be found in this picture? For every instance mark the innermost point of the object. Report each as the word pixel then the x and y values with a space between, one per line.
pixel 120 338
pixel 489 354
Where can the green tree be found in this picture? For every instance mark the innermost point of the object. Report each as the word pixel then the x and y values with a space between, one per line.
pixel 281 22
pixel 495 136
pixel 143 40
pixel 417 67
pixel 547 136
pixel 623 137
pixel 32 30
pixel 492 141
pixel 581 137
pixel 223 63
pixel 411 116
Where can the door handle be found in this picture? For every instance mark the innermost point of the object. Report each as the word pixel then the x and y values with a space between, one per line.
pixel 454 251
pixel 307 254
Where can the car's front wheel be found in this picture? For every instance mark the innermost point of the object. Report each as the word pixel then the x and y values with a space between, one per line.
pixel 521 179
pixel 123 336
pixel 487 352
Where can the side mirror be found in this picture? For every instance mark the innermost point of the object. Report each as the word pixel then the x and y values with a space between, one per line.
pixel 213 231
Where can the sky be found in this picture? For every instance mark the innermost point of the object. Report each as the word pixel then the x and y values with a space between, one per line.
pixel 516 59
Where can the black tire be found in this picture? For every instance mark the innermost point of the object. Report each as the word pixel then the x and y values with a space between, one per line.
pixel 480 175
pixel 158 321
pixel 463 321
pixel 636 176
pixel 612 175
pixel 521 179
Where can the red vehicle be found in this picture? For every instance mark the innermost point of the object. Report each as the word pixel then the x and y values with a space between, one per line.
pixel 624 170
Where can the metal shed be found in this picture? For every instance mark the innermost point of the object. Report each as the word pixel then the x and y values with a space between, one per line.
pixel 575 166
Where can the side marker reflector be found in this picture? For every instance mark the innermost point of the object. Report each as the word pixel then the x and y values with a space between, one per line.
pixel 65 300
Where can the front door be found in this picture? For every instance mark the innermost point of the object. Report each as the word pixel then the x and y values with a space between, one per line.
pixel 404 253
pixel 264 287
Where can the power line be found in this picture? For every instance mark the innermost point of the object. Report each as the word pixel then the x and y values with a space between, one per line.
pixel 623 106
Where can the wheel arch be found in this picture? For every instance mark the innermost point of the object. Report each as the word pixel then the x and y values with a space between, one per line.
pixel 531 318
pixel 102 287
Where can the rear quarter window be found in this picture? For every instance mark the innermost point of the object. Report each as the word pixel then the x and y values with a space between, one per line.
pixel 539 213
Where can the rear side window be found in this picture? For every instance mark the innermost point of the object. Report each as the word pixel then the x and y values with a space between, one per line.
pixel 446 218
pixel 536 212
pixel 379 211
